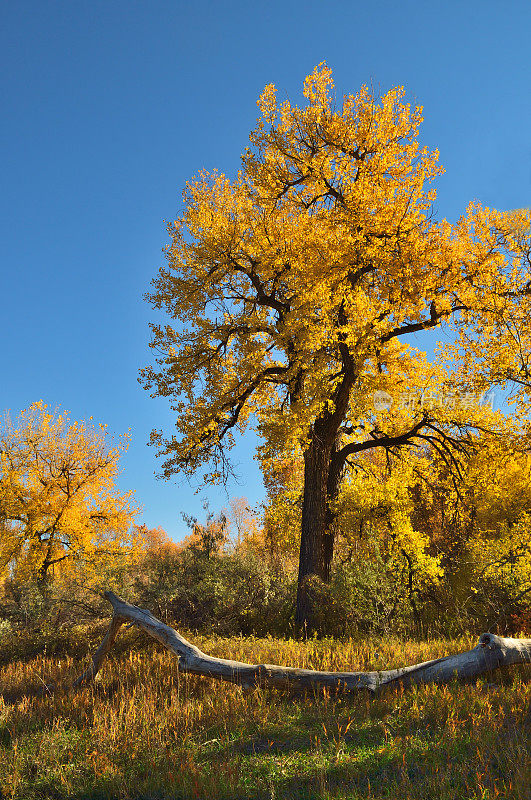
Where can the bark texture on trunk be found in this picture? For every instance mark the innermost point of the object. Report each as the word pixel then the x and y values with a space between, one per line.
pixel 312 561
pixel 332 488
pixel 322 475
pixel 490 653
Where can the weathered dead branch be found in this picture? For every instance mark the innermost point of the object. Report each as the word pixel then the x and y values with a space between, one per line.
pixel 491 652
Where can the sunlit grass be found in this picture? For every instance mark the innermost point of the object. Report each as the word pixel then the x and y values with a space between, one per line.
pixel 144 731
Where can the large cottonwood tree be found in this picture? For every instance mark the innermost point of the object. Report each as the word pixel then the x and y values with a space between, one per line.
pixel 292 286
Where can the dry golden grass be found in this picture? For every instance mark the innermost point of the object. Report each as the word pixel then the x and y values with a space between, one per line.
pixel 144 731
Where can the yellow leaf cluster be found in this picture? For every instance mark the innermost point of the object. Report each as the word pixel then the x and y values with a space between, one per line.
pixel 59 505
pixel 299 276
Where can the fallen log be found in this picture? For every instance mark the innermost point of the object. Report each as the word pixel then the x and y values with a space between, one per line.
pixel 491 652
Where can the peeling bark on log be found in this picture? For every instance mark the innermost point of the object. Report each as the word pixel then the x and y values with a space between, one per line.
pixel 489 654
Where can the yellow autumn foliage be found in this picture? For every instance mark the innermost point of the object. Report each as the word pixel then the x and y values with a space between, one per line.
pixel 59 504
pixel 291 290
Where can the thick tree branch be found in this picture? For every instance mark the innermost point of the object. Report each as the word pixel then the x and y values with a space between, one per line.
pixel 414 327
pixel 380 441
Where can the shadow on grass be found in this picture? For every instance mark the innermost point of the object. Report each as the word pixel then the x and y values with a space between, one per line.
pixel 12 697
pixel 371 735
pixel 429 766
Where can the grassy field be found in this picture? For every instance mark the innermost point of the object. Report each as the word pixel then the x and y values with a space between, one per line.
pixel 143 731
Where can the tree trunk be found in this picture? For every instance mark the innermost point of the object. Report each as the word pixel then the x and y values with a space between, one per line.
pixel 490 653
pixel 322 474
pixel 43 580
pixel 312 562
pixel 334 477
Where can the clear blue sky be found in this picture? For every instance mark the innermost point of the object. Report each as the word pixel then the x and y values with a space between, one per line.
pixel 108 107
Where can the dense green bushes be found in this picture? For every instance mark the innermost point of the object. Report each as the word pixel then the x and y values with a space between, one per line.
pixel 209 585
pixel 224 592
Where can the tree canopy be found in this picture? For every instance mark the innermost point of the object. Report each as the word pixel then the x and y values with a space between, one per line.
pixel 58 497
pixel 293 286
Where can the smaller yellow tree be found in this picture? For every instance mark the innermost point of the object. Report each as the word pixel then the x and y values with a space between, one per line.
pixel 58 498
pixel 246 522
